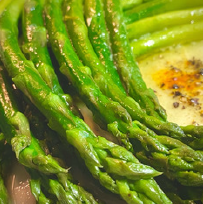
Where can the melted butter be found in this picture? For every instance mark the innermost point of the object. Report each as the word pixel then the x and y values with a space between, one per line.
pixel 176 77
pixel 186 78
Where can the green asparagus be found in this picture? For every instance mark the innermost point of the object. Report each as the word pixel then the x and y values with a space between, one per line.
pixel 4 197
pixel 99 154
pixel 127 67
pixel 27 148
pixel 172 36
pixel 150 143
pixel 16 128
pixel 106 77
pixel 128 4
pixel 164 150
pixel 35 41
pixel 130 73
pixel 58 193
pixel 163 21
pixel 36 189
pixel 85 51
pixel 100 42
pixel 194 136
pixel 82 79
pixel 4 4
pixel 155 7
pixel 99 38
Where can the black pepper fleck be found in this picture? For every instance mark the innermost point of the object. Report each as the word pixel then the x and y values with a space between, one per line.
pixel 175 104
pixel 162 85
pixel 176 93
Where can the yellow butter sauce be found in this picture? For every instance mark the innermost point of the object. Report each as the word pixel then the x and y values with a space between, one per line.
pixel 176 76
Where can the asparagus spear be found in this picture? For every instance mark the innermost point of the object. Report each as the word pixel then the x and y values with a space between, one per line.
pixel 100 41
pixel 62 187
pixel 177 34
pixel 88 95
pixel 3 192
pixel 194 136
pixel 163 21
pixel 4 4
pixel 175 163
pixel 36 189
pixel 100 155
pixel 128 4
pixel 156 157
pixel 99 38
pixel 155 7
pixel 4 198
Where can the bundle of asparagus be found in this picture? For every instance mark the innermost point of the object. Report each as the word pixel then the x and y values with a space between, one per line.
pixel 89 42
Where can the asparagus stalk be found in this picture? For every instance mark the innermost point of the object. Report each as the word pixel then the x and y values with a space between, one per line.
pixel 99 38
pixel 4 4
pixel 36 189
pixel 4 198
pixel 128 4
pixel 62 188
pixel 3 192
pixel 147 137
pixel 163 21
pixel 155 7
pixel 39 55
pixel 176 35
pixel 100 155
pixel 174 163
pixel 194 136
